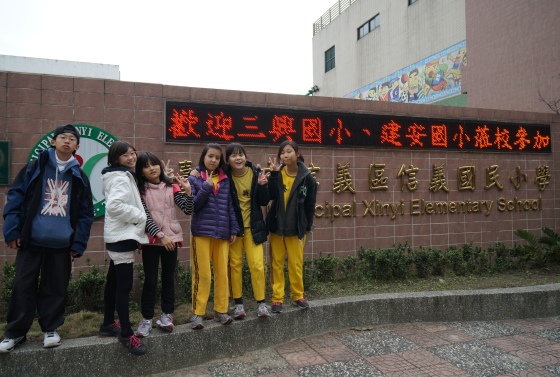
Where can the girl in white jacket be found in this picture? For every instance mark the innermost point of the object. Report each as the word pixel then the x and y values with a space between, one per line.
pixel 124 230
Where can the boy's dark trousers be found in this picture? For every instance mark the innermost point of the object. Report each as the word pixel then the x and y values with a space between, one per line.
pixel 47 296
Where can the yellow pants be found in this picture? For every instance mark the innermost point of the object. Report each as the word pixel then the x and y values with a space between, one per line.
pixel 279 247
pixel 203 251
pixel 255 259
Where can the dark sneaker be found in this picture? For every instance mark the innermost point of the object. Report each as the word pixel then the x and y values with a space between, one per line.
pixel 277 307
pixel 8 344
pixel 113 329
pixel 301 304
pixel 223 318
pixel 133 344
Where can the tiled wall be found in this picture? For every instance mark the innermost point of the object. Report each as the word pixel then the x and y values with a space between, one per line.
pixel 33 105
pixel 505 39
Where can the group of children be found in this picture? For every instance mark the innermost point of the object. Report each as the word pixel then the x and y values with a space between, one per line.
pixel 225 197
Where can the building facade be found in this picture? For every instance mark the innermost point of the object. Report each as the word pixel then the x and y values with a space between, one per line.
pixel 24 64
pixel 416 51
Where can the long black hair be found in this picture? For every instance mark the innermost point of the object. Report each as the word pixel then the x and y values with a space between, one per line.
pixel 117 149
pixel 292 144
pixel 142 162
pixel 205 151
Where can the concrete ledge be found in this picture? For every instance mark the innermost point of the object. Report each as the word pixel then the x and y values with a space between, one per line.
pixel 184 347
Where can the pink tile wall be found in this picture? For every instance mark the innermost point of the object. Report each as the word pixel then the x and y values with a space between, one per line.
pixel 32 105
pixel 507 40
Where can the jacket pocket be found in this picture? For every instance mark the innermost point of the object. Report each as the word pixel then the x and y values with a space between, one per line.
pixel 51 231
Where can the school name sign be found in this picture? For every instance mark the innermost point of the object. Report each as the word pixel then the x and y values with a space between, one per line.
pixel 422 207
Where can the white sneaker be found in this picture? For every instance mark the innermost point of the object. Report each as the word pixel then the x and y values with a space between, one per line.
pixel 197 322
pixel 165 322
pixel 51 339
pixel 262 310
pixel 8 344
pixel 144 328
pixel 239 312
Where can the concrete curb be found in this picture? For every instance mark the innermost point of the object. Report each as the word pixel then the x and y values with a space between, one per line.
pixel 184 347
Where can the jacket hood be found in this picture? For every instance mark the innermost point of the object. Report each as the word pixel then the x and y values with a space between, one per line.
pixel 110 169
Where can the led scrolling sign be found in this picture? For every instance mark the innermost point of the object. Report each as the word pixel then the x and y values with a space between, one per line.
pixel 195 122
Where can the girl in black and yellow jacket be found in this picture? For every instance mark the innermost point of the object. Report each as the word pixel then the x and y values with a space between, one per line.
pixel 249 192
pixel 293 193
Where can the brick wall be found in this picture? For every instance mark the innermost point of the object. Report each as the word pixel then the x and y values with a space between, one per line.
pixel 33 105
pixel 511 53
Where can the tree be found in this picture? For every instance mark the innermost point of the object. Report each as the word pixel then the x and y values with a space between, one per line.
pixel 553 104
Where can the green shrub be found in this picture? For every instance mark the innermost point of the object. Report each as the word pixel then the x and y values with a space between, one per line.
pixel 326 268
pixel 483 262
pixel 309 275
pixel 86 292
pixel 502 257
pixel 246 282
pixel 8 276
pixel 456 261
pixel 423 262
pixel 366 263
pixel 438 262
pixel 401 262
pixel 183 279
pixel 541 250
pixel 349 269
pixel 470 253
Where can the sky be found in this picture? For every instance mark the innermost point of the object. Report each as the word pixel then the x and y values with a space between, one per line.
pixel 263 46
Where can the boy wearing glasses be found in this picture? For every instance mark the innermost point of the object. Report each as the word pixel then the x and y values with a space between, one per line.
pixel 47 219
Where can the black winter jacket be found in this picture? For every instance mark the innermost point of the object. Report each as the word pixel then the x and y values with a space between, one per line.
pixel 24 198
pixel 259 197
pixel 301 202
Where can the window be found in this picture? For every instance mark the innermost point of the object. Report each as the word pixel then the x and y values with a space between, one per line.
pixel 368 27
pixel 329 59
pixel 410 2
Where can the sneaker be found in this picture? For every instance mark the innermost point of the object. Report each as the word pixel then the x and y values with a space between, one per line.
pixel 262 310
pixel 239 312
pixel 113 329
pixel 51 339
pixel 133 344
pixel 223 318
pixel 8 344
pixel 165 322
pixel 277 307
pixel 301 304
pixel 144 328
pixel 197 322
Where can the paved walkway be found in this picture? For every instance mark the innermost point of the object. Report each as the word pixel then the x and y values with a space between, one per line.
pixel 494 348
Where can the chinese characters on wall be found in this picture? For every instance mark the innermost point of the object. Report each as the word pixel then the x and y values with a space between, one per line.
pixel 407 180
pixel 195 122
pixel 199 123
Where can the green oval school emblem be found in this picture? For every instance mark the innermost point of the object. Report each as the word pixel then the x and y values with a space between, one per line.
pixel 92 156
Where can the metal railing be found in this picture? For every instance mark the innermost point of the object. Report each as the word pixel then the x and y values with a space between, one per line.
pixel 333 12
